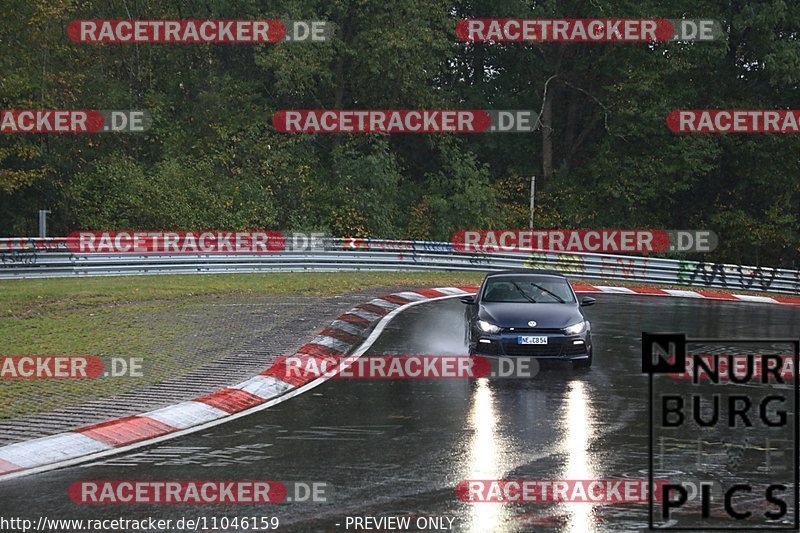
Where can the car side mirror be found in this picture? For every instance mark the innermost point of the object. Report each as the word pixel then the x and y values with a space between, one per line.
pixel 469 300
pixel 587 301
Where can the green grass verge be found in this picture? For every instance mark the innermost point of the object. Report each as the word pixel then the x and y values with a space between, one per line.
pixel 174 323
pixel 20 298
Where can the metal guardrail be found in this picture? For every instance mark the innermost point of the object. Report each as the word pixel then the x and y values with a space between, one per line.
pixel 50 258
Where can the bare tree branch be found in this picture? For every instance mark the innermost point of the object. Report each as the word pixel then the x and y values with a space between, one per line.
pixel 544 99
pixel 606 109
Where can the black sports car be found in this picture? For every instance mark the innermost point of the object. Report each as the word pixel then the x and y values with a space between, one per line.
pixel 529 313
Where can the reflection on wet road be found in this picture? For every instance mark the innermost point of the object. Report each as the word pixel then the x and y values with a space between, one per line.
pixel 399 447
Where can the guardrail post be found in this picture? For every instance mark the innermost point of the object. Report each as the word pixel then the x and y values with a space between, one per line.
pixel 533 195
pixel 43 222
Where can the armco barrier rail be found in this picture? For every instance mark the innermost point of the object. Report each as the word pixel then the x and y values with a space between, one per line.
pixel 49 258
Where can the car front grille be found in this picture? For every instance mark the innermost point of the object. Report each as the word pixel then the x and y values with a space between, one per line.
pixel 533 331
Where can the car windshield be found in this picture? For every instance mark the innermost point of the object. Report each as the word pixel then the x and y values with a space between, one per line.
pixel 528 290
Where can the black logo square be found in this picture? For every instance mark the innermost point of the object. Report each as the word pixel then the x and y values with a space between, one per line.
pixel 663 353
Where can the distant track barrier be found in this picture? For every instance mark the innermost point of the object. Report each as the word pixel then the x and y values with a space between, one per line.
pixel 50 258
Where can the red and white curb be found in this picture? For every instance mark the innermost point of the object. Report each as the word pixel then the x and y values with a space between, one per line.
pixel 353 331
pixel 708 295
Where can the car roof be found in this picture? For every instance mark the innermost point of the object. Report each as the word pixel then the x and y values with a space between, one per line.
pixel 526 271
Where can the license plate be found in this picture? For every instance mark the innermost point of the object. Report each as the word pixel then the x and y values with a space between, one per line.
pixel 527 339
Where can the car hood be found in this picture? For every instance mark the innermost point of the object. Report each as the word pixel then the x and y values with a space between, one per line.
pixel 517 315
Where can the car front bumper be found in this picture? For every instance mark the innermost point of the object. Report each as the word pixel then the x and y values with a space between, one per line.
pixel 558 347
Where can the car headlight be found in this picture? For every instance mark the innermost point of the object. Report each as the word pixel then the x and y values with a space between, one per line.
pixel 574 329
pixel 488 327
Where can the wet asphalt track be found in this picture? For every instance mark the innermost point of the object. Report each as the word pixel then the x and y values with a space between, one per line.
pixel 400 447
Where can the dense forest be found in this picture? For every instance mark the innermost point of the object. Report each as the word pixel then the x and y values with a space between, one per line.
pixel 603 156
